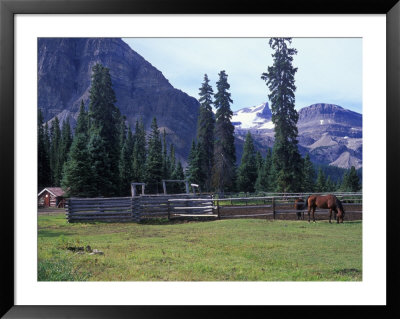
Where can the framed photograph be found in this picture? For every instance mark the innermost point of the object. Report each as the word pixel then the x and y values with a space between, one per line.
pixel 41 38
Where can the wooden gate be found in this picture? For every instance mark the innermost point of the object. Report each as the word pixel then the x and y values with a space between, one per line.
pixel 192 207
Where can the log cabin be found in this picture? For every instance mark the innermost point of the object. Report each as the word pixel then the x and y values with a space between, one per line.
pixel 51 197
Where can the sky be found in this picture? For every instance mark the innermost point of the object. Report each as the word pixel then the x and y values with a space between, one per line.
pixel 329 69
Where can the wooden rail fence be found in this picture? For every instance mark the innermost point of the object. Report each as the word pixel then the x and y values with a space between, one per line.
pixel 138 208
pixel 127 209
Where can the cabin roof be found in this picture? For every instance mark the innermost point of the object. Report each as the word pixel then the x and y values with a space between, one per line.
pixel 55 191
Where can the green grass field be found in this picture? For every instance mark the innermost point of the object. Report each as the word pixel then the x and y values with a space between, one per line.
pixel 222 250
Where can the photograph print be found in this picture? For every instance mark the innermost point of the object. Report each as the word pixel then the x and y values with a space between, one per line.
pixel 199 159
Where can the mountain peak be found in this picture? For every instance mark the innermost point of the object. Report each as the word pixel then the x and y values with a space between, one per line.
pixel 328 114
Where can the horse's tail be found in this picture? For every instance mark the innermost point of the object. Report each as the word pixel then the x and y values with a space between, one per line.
pixel 306 204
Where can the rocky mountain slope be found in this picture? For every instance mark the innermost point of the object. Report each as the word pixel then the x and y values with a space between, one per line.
pixel 331 134
pixel 64 73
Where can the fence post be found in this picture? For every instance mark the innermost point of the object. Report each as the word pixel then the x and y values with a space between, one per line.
pixel 169 210
pixel 273 206
pixel 219 215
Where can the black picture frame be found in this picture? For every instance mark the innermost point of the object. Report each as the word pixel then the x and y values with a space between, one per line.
pixel 8 8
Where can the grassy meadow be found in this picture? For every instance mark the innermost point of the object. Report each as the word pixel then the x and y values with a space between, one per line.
pixel 221 250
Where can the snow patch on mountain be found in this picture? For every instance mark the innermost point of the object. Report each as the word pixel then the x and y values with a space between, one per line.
pixel 255 117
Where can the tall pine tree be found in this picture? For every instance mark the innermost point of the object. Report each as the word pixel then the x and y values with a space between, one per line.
pixel 125 164
pixel 205 132
pixel 104 142
pixel 264 180
pixel 55 156
pixel 247 172
pixel 65 143
pixel 194 173
pixel 280 81
pixel 351 181
pixel 154 160
pixel 77 173
pixel 259 161
pixel 178 174
pixel 321 181
pixel 309 175
pixel 224 169
pixel 165 160
pixel 139 153
pixel 44 173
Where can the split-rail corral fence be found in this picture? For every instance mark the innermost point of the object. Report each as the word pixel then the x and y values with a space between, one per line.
pixel 209 206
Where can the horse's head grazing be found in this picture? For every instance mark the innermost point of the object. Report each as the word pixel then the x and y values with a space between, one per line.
pixel 341 213
pixel 299 204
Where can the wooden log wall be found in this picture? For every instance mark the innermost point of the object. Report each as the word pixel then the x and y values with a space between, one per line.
pixel 99 209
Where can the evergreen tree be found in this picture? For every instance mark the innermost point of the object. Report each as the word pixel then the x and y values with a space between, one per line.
pixel 264 177
pixel 172 159
pixel 82 123
pixel 205 132
pixel 178 174
pixel 165 160
pixel 351 181
pixel 44 173
pixel 77 173
pixel 139 153
pixel 330 185
pixel 309 175
pixel 194 173
pixel 65 143
pixel 280 81
pixel 55 158
pixel 259 161
pixel 125 164
pixel 344 186
pixel 47 143
pixel 154 159
pixel 247 172
pixel 123 131
pixel 224 169
pixel 321 182
pixel 105 120
pixel 101 166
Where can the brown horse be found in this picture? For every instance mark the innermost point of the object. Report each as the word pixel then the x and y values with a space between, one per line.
pixel 299 205
pixel 328 202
